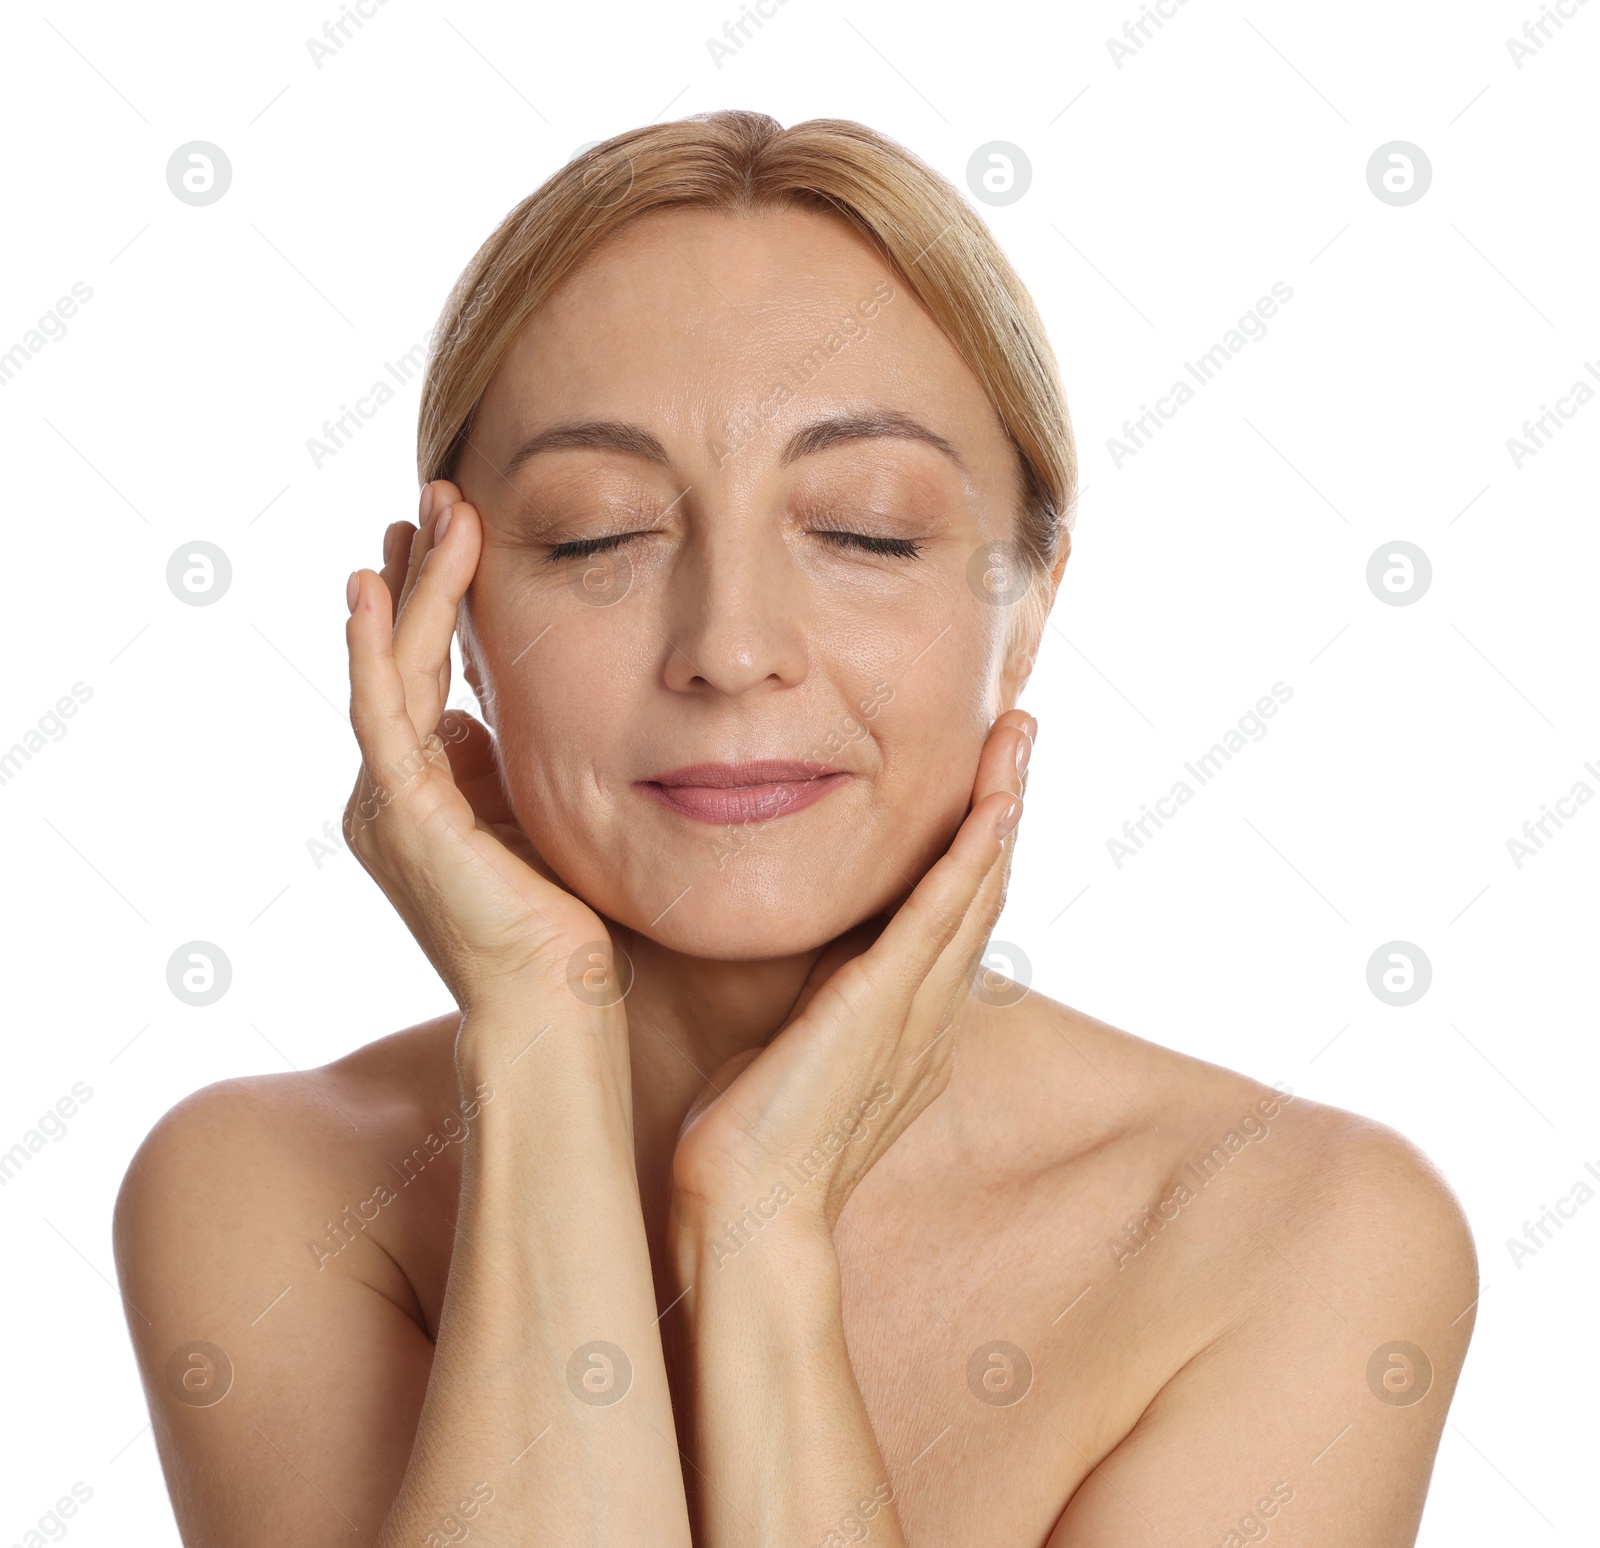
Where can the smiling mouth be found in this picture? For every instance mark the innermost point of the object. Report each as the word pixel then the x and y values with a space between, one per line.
pixel 743 792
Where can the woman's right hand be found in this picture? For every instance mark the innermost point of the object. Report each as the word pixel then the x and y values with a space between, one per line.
pixel 428 818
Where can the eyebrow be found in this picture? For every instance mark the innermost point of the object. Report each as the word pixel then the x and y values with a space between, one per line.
pixel 821 434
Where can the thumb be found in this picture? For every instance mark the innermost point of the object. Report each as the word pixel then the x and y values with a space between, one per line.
pixel 722 1077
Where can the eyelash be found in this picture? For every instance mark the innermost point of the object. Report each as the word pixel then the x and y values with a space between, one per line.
pixel 581 548
pixel 896 548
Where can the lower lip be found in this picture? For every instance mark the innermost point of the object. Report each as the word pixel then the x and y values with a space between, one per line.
pixel 743 803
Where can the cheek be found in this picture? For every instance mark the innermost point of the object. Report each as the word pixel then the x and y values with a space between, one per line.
pixel 562 730
pixel 930 732
pixel 904 688
pixel 556 643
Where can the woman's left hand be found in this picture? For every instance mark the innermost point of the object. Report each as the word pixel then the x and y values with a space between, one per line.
pixel 791 1129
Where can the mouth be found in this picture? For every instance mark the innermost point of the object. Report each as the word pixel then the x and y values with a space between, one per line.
pixel 743 792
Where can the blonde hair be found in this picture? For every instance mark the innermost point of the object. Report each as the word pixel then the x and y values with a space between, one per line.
pixel 744 161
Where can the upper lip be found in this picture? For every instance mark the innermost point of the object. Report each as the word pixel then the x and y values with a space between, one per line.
pixel 730 776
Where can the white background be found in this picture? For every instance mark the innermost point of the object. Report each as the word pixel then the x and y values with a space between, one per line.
pixel 1166 197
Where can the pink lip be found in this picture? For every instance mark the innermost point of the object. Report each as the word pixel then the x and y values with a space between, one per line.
pixel 743 792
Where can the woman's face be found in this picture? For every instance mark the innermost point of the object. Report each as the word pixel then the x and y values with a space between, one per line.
pixel 737 490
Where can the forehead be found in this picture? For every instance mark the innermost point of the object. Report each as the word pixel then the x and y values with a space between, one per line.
pixel 704 324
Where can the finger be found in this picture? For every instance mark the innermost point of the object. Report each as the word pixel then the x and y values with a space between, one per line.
pixel 1002 766
pixel 428 615
pixel 1005 755
pixel 396 554
pixel 912 943
pixel 717 1084
pixel 953 908
pixel 387 735
pixel 833 956
pixel 438 495
pixel 435 497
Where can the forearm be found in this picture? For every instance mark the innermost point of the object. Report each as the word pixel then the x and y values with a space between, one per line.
pixel 548 1384
pixel 782 1447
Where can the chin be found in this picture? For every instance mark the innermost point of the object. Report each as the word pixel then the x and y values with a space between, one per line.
pixel 751 899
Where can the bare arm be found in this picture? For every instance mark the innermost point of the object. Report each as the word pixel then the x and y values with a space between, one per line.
pixel 783 1446
pixel 301 1402
pixel 548 1381
pixel 1314 1419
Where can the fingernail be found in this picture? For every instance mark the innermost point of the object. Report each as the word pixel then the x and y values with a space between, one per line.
pixel 1024 752
pixel 425 509
pixel 1009 818
pixel 352 589
pixel 1032 727
pixel 442 524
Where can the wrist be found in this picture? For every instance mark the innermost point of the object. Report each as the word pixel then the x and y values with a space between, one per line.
pixel 775 1231
pixel 777 1287
pixel 546 1084
pixel 510 1037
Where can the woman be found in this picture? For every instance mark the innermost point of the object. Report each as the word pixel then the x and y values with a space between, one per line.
pixel 734 1204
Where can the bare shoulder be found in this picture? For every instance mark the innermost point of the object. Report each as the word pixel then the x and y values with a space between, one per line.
pixel 1349 1196
pixel 309 1114
pixel 1291 1276
pixel 1349 1184
pixel 255 1258
pixel 265 1154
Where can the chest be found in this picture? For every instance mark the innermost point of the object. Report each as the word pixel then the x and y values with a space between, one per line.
pixel 1000 1351
pixel 999 1354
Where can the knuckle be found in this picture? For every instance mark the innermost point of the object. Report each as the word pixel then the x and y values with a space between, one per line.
pixel 944 918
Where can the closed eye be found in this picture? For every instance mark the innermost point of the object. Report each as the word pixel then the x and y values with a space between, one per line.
pixel 581 548
pixel 899 548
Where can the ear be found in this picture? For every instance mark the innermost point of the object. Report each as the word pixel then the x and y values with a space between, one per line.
pixel 1029 616
pixel 1059 568
pixel 1023 634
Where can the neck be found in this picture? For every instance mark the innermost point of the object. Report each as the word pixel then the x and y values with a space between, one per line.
pixel 687 1016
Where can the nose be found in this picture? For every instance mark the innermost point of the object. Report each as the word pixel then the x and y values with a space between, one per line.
pixel 736 616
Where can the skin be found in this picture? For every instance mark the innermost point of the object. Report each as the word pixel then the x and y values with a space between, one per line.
pixel 1209 1375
